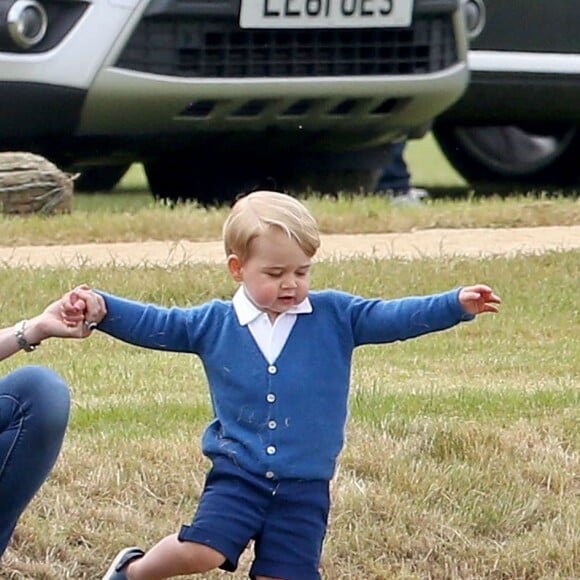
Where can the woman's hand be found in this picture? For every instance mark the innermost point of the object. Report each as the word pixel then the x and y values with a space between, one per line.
pixel 69 317
pixel 83 307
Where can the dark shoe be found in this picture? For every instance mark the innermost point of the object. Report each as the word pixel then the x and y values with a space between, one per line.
pixel 115 571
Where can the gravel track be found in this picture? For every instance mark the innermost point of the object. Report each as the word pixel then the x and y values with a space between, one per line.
pixel 475 243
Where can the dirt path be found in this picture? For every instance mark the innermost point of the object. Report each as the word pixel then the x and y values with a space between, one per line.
pixel 474 243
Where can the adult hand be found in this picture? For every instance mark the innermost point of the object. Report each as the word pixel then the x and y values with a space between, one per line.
pixel 64 318
pixel 82 307
pixel 478 299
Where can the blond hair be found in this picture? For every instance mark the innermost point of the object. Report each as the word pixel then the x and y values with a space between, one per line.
pixel 258 211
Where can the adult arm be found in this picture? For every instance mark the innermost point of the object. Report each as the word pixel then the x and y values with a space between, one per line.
pixel 48 324
pixel 8 343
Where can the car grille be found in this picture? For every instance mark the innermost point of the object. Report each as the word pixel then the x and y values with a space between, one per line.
pixel 208 47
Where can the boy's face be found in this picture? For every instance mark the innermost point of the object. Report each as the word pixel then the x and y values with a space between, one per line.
pixel 276 275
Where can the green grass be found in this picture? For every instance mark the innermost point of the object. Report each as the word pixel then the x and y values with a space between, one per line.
pixel 372 214
pixel 463 450
pixel 463 447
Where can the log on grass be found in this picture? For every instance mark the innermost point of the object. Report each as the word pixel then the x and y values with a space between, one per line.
pixel 30 183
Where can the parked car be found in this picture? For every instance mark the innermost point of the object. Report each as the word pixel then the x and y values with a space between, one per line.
pixel 213 97
pixel 518 123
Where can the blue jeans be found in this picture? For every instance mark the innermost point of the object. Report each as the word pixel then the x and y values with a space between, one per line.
pixel 395 176
pixel 34 410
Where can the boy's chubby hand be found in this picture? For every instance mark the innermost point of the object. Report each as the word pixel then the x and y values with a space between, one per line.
pixel 478 299
pixel 82 305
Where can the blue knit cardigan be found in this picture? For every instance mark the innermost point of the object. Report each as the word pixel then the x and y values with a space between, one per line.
pixel 284 420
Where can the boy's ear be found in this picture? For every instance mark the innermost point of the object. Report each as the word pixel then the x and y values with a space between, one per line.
pixel 235 267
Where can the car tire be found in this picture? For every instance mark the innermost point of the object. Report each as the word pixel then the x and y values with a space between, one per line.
pixel 511 155
pixel 101 178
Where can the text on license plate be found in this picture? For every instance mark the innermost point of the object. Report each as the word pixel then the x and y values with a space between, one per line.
pixel 325 13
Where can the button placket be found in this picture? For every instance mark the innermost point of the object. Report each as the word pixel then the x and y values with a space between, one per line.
pixel 272 424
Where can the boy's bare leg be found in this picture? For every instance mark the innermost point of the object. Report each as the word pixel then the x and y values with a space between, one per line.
pixel 170 558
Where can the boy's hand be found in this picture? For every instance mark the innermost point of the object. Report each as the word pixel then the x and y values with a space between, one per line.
pixel 72 307
pixel 478 299
pixel 67 317
pixel 82 305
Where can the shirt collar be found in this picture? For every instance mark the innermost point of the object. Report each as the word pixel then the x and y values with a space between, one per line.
pixel 247 311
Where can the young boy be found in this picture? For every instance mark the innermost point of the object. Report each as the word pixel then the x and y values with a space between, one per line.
pixel 278 360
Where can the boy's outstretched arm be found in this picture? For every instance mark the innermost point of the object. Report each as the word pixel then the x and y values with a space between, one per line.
pixel 478 299
pixel 137 323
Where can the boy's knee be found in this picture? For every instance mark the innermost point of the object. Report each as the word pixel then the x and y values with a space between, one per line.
pixel 203 558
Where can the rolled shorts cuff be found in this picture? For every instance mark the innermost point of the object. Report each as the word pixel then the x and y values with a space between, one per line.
pixel 288 571
pixel 227 548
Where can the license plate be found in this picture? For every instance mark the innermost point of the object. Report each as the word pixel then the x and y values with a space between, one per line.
pixel 325 13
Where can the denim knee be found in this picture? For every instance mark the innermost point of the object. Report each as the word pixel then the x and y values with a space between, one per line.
pixel 43 393
pixel 34 411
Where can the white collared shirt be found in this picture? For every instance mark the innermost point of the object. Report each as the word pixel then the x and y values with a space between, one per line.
pixel 269 336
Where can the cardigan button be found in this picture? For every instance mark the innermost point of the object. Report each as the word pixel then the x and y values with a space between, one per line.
pixel 272 369
pixel 270 397
pixel 270 450
pixel 269 474
pixel 272 424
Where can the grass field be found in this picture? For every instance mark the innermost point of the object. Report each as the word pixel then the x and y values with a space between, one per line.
pixel 463 448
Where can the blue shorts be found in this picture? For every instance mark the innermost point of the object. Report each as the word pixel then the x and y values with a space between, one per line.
pixel 286 518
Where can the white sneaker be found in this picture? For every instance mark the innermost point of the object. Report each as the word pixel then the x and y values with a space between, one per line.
pixel 411 196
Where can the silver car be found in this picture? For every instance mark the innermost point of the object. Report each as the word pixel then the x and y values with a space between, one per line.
pixel 214 97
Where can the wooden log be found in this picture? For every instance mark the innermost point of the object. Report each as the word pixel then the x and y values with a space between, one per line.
pixel 30 183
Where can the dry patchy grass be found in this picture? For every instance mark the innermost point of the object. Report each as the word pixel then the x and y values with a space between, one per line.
pixel 463 448
pixel 105 222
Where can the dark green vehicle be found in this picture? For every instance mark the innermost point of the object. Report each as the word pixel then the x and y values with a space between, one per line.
pixel 519 121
